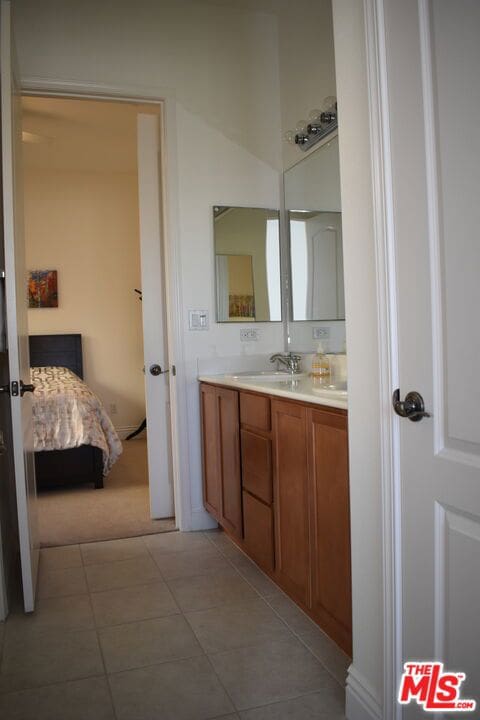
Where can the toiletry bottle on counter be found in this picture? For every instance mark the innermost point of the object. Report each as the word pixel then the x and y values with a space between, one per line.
pixel 320 366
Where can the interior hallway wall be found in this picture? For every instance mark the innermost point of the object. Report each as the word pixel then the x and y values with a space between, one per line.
pixel 85 226
pixel 307 64
pixel 222 67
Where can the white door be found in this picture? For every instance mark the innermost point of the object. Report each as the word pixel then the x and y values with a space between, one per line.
pixel 324 241
pixel 433 70
pixel 16 313
pixel 157 370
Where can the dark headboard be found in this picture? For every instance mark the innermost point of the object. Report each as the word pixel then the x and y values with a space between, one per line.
pixel 57 350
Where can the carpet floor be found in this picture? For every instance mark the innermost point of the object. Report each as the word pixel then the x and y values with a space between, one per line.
pixel 121 509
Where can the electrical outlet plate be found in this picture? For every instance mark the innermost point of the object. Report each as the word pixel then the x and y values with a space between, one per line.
pixel 248 335
pixel 320 333
pixel 198 319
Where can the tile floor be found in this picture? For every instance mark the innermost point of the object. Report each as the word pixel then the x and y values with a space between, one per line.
pixel 175 626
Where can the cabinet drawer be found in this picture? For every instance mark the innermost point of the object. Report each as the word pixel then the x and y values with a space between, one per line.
pixel 257 465
pixel 258 531
pixel 255 411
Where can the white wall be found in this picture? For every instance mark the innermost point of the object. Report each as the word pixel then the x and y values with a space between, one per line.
pixel 85 226
pixel 307 66
pixel 362 343
pixel 229 173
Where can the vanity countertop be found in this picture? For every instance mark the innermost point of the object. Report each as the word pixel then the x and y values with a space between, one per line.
pixel 302 389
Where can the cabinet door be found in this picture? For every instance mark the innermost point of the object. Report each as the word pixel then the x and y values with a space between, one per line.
pixel 292 548
pixel 229 458
pixel 210 446
pixel 330 518
pixel 258 531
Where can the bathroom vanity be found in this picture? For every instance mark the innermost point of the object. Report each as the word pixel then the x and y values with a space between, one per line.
pixel 275 471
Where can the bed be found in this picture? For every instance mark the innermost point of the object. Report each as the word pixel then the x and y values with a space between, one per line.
pixel 75 441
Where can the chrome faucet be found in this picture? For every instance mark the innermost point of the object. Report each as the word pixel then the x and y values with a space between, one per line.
pixel 289 360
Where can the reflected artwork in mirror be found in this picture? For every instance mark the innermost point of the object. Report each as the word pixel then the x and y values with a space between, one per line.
pixel 247 264
pixel 312 201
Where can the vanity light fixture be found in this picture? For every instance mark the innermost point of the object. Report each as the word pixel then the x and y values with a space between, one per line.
pixel 320 124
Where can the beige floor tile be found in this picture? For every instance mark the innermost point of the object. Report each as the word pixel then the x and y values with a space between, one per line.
pixel 269 673
pixel 218 537
pixel 180 690
pixel 138 602
pixel 177 542
pixel 58 558
pixel 148 642
pixel 54 614
pixel 189 563
pixel 44 658
pixel 124 573
pixel 78 700
pixel 257 578
pixel 291 613
pixel 96 553
pixel 329 654
pixel 226 546
pixel 61 583
pixel 328 704
pixel 236 626
pixel 207 591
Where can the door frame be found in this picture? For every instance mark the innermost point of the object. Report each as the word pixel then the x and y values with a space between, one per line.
pixel 388 344
pixel 166 101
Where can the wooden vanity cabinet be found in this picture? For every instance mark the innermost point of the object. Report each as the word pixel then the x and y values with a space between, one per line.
pixel 221 457
pixel 279 470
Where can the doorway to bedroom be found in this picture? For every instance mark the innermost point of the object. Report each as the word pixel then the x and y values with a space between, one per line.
pixel 89 241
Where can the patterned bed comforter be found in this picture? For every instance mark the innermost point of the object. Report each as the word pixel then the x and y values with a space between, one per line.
pixel 66 414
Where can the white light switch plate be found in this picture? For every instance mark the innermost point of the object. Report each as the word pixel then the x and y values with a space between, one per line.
pixel 198 319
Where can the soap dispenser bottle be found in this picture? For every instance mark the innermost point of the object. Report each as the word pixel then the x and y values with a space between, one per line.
pixel 320 366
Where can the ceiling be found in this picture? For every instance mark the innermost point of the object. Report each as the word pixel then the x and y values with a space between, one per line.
pixel 82 135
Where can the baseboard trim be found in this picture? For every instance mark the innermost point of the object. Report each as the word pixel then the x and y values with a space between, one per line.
pixel 361 701
pixel 202 520
pixel 123 432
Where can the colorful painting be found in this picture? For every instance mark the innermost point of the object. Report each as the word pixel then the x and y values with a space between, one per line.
pixel 241 306
pixel 42 289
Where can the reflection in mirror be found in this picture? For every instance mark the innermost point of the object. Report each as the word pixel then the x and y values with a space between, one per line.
pixel 312 199
pixel 247 264
pixel 316 260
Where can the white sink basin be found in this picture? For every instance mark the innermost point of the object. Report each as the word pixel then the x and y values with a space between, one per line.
pixel 338 390
pixel 267 376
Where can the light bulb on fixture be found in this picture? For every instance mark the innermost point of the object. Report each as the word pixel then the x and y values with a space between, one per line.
pixel 289 137
pixel 301 126
pixel 329 102
pixel 314 115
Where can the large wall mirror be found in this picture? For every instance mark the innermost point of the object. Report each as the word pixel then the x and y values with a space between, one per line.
pixel 312 201
pixel 247 264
